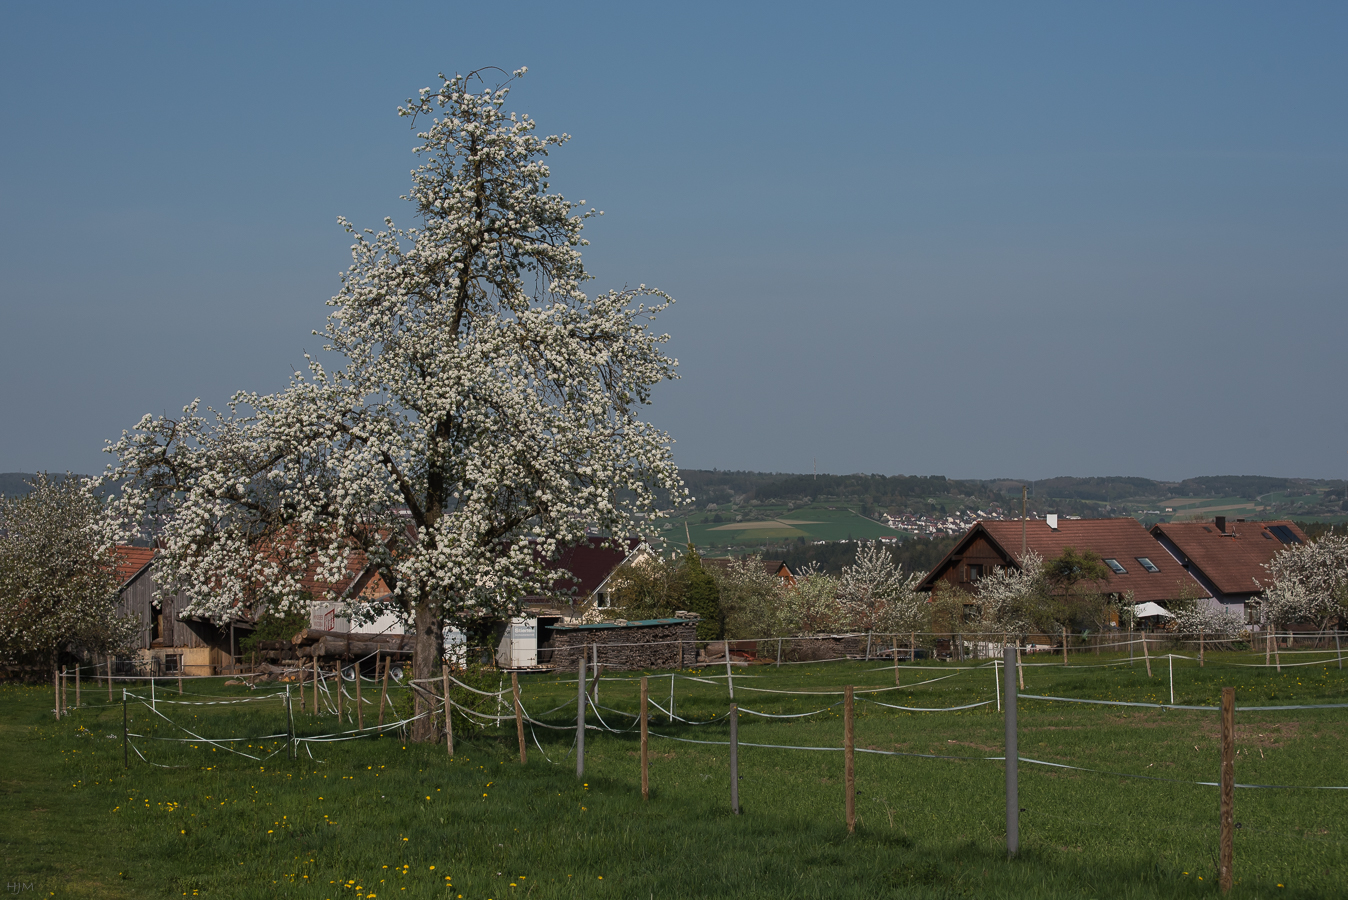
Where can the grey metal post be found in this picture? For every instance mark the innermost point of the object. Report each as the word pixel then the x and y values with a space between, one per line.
pixel 735 759
pixel 126 759
pixel 1012 758
pixel 580 718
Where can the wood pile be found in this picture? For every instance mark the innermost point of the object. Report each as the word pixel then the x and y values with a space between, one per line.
pixel 625 647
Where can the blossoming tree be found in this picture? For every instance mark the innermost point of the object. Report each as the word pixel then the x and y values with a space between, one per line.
pixel 485 416
pixel 58 577
pixel 1308 583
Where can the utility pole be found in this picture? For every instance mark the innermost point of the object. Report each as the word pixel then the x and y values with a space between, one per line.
pixel 1022 524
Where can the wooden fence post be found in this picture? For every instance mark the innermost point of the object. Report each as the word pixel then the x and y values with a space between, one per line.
pixel 360 708
pixel 316 681
pixel 912 646
pixel 734 756
pixel 1268 645
pixel 56 689
pixel 1064 645
pixel 1277 657
pixel 645 757
pixel 519 715
pixel 126 758
pixel 1009 658
pixel 1227 845
pixel 109 677
pixel 849 768
pixel 383 691
pixel 1146 654
pixel 1201 663
pixel 77 686
pixel 341 717
pixel 896 659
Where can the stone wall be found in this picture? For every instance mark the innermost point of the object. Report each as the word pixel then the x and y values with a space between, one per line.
pixel 621 647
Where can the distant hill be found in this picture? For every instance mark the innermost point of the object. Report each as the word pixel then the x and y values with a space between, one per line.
pixel 15 484
pixel 1251 496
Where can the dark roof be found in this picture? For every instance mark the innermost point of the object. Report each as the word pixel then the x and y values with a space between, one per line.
pixel 770 566
pixel 1233 561
pixel 589 563
pixel 1122 539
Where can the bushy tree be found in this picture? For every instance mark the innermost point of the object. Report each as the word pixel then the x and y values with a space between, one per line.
pixel 751 599
pixel 650 586
pixel 702 597
pixel 485 414
pixel 876 595
pixel 58 575
pixel 1011 600
pixel 812 606
pixel 1308 583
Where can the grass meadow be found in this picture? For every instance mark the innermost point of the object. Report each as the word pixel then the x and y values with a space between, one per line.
pixel 777 523
pixel 378 817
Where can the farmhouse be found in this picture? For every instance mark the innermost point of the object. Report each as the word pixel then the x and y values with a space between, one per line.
pixel 1137 562
pixel 1227 559
pixel 171 642
pixel 167 643
pixel 583 577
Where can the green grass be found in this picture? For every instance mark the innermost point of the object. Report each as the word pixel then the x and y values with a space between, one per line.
pixel 379 813
pixel 814 523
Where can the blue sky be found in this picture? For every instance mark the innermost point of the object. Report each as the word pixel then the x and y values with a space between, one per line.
pixel 978 240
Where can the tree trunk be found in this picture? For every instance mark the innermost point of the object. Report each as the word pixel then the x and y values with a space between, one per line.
pixel 427 652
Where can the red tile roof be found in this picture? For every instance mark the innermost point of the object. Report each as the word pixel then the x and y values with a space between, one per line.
pixel 1121 539
pixel 1234 561
pixel 131 560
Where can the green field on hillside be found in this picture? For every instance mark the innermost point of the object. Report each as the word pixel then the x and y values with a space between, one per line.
pixel 377 818
pixel 774 523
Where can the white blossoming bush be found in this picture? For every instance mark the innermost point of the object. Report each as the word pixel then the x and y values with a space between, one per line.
pixel 1308 583
pixel 1009 597
pixel 812 607
pixel 58 575
pixel 877 596
pixel 486 415
pixel 1214 623
pixel 752 600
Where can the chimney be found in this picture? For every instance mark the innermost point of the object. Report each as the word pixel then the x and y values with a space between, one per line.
pixel 1220 522
pixel 1052 520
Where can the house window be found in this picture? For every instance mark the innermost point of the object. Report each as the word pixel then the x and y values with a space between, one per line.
pixel 973 572
pixel 1146 564
pixel 603 599
pixel 1116 567
pixel 173 663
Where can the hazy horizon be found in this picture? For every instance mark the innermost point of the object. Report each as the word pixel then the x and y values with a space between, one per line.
pixel 1042 238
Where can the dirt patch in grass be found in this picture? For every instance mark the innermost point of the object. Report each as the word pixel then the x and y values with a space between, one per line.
pixel 1257 735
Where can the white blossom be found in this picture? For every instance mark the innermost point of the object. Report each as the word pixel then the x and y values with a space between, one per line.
pixel 58 574
pixel 486 414
pixel 1307 583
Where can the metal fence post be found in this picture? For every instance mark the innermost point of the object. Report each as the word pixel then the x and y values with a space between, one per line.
pixel 1012 758
pixel 735 759
pixel 580 717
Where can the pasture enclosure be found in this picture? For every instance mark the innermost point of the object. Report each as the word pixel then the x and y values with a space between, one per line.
pixel 1114 800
